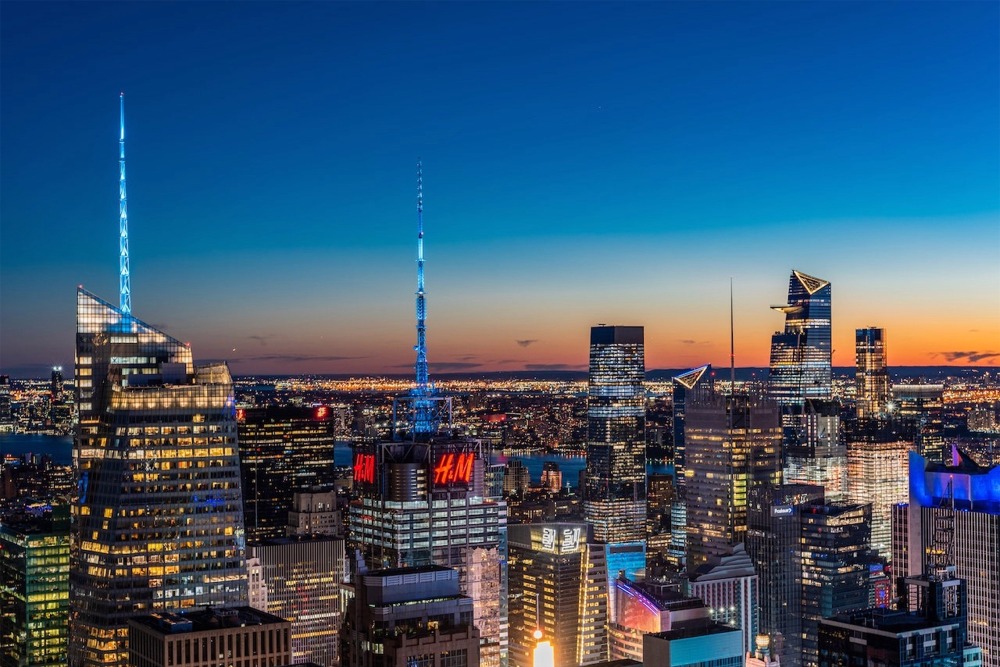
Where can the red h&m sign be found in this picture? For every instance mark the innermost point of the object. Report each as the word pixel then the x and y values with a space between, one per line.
pixel 364 468
pixel 454 468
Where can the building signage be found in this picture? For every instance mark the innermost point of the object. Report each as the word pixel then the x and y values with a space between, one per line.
pixel 782 510
pixel 364 468
pixel 454 468
pixel 568 542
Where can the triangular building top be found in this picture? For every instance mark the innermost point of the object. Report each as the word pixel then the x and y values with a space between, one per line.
pixel 810 283
pixel 691 377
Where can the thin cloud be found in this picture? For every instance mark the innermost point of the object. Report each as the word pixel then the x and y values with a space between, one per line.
pixel 972 357
pixel 288 358
pixel 526 342
pixel 260 339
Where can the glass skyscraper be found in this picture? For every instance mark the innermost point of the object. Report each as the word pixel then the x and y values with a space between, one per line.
pixel 615 494
pixel 733 446
pixel 801 353
pixel 800 383
pixel 872 374
pixel 159 514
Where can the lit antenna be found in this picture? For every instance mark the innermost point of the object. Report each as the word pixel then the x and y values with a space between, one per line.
pixel 124 284
pixel 425 420
pixel 732 342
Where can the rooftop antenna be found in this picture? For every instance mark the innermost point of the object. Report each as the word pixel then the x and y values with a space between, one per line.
pixel 124 284
pixel 424 414
pixel 732 342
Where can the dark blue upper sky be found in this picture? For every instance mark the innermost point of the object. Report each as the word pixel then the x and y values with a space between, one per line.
pixel 584 162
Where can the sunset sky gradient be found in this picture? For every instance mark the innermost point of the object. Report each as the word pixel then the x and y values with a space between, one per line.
pixel 584 163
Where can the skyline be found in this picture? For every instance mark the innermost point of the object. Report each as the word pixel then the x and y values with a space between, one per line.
pixel 616 163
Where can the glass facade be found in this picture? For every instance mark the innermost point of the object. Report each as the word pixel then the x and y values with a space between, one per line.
pixel 615 493
pixel 834 554
pixel 872 375
pixel 733 446
pixel 303 577
pixel 159 514
pixel 687 386
pixel 34 591
pixel 282 450
pixel 801 354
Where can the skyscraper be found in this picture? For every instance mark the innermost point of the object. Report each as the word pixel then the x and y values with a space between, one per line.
pixel 409 617
pixel 559 585
pixel 283 450
pixel 775 530
pixel 733 446
pixel 687 387
pixel 159 515
pixel 34 589
pixel 834 552
pixel 615 495
pixel 424 499
pixel 953 518
pixel 877 475
pixel 872 375
pixel 800 383
pixel 801 353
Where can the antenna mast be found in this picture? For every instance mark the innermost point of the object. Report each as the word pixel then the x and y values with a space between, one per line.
pixel 732 343
pixel 424 413
pixel 124 283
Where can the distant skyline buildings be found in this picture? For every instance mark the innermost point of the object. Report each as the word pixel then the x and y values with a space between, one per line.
pixel 324 250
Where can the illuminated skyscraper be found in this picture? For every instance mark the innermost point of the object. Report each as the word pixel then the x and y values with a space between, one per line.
pixel 801 354
pixel 801 384
pixel 953 518
pixel 426 503
pixel 687 387
pixel 424 499
pixel 283 450
pixel 615 495
pixel 834 552
pixel 877 475
pixel 559 585
pixel 733 445
pixel 773 537
pixel 159 516
pixel 872 373
pixel 34 589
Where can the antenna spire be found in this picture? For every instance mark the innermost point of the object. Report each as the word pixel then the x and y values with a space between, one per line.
pixel 732 342
pixel 424 414
pixel 124 283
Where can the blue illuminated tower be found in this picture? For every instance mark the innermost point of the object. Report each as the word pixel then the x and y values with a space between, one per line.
pixel 425 421
pixel 124 284
pixel 425 403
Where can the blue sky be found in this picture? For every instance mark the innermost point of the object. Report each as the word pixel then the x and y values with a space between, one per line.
pixel 584 163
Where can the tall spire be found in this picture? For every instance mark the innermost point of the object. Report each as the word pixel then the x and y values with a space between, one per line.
pixel 425 418
pixel 124 283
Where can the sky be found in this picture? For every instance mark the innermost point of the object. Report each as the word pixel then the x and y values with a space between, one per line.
pixel 583 163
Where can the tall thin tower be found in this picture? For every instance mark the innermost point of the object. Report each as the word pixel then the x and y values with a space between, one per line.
pixel 124 284
pixel 424 416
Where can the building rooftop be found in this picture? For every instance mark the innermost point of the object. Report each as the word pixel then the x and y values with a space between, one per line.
pixel 694 629
pixel 206 619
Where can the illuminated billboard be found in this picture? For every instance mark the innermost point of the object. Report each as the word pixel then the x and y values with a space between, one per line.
pixel 364 468
pixel 454 468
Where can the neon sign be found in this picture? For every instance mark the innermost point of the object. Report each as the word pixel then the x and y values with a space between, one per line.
pixel 454 468
pixel 241 415
pixel 364 468
pixel 570 542
pixel 322 412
